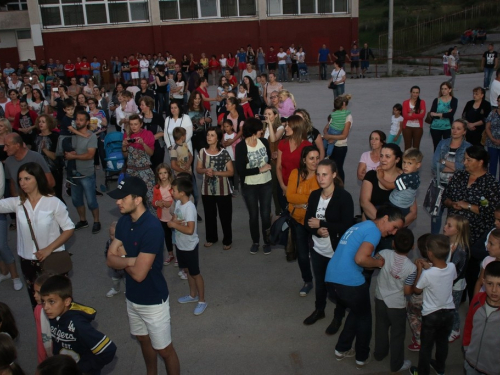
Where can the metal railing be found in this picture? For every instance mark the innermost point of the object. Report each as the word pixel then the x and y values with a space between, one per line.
pixel 439 30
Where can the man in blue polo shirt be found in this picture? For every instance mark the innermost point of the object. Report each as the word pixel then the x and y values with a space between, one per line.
pixel 345 280
pixel 323 56
pixel 142 238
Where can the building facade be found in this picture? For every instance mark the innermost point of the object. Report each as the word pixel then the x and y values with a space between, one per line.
pixel 63 29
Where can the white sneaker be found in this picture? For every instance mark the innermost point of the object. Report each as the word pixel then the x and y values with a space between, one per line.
pixel 112 292
pixel 18 284
pixel 406 365
pixel 182 275
pixel 4 277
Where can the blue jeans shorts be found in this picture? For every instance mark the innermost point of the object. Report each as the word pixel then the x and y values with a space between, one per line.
pixel 84 186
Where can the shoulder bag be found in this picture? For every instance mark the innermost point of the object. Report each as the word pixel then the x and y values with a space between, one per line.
pixel 58 262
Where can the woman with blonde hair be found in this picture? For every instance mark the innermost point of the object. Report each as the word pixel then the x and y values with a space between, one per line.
pixel 312 132
pixel 286 104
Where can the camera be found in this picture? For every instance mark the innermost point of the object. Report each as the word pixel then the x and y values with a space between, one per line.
pixel 55 89
pixel 131 140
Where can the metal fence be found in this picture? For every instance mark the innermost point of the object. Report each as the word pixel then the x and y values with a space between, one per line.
pixel 449 27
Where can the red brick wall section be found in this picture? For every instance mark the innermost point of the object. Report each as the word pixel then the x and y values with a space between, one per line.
pixel 211 38
pixel 10 55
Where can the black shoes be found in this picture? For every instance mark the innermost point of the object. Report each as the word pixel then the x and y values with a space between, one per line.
pixel 81 225
pixel 334 326
pixel 314 317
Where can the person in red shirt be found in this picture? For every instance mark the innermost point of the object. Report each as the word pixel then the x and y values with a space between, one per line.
pixel 85 69
pixel 231 79
pixel 69 71
pixel 272 58
pixel 78 69
pixel 213 68
pixel 134 70
pixel 203 90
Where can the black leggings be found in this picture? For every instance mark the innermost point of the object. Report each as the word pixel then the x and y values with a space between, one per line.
pixel 338 156
pixel 168 236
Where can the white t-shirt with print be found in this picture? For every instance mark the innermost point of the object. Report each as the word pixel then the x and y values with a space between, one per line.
pixel 322 245
pixel 337 76
pixel 412 123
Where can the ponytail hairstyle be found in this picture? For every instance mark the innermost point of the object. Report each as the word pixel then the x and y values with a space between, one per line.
pixel 8 356
pixel 337 181
pixel 340 100
pixel 463 231
pixel 417 103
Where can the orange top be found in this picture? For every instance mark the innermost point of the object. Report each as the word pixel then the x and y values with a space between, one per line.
pixel 299 194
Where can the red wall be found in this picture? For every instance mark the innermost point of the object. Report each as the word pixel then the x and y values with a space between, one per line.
pixel 10 55
pixel 211 38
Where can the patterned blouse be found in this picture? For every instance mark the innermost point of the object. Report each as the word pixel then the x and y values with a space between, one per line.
pixel 216 185
pixel 494 119
pixel 485 186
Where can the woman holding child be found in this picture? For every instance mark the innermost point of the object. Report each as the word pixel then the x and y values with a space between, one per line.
pixel 373 194
pixel 215 164
pixel 138 147
pixel 448 158
pixel 49 217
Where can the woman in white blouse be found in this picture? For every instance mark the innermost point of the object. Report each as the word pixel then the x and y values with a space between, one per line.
pixel 177 119
pixel 49 218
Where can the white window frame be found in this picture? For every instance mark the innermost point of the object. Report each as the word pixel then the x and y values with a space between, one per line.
pixel 218 5
pixel 19 4
pixel 84 3
pixel 299 9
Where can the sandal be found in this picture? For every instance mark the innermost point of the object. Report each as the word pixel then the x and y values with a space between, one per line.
pixel 209 244
pixel 226 247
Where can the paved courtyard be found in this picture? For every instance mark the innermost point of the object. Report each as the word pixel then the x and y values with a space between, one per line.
pixel 253 323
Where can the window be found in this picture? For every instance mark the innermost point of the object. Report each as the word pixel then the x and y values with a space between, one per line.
pixel 195 9
pixel 17 5
pixel 61 13
pixel 23 34
pixel 297 7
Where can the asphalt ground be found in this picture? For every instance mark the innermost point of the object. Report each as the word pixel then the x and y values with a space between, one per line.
pixel 253 322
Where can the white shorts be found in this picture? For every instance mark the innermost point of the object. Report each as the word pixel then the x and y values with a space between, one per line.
pixel 152 320
pixel 135 75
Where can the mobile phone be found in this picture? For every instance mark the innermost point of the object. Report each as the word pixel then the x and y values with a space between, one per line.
pixel 55 89
pixel 131 140
pixel 262 117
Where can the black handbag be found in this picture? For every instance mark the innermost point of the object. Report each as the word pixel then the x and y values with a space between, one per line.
pixel 332 86
pixel 58 262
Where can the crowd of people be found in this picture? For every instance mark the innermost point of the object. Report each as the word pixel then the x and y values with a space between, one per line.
pixel 262 145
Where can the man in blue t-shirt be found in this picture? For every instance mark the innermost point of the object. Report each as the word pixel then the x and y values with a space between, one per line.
pixel 346 282
pixel 138 249
pixel 241 61
pixel 323 56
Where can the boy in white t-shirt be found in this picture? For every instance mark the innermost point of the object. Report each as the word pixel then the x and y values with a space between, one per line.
pixel 436 283
pixel 395 280
pixel 396 120
pixel 184 221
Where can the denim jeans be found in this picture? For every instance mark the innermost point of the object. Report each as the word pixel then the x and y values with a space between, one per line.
pixel 457 299
pixel 258 200
pixel 162 99
pixel 262 68
pixel 84 186
pixel 339 90
pixel 436 327
pixel 494 157
pixel 322 70
pixel 283 73
pixel 488 73
pixel 301 237
pixel 358 324
pixel 5 253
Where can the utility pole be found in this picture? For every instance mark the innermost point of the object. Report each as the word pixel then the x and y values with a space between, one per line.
pixel 390 38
